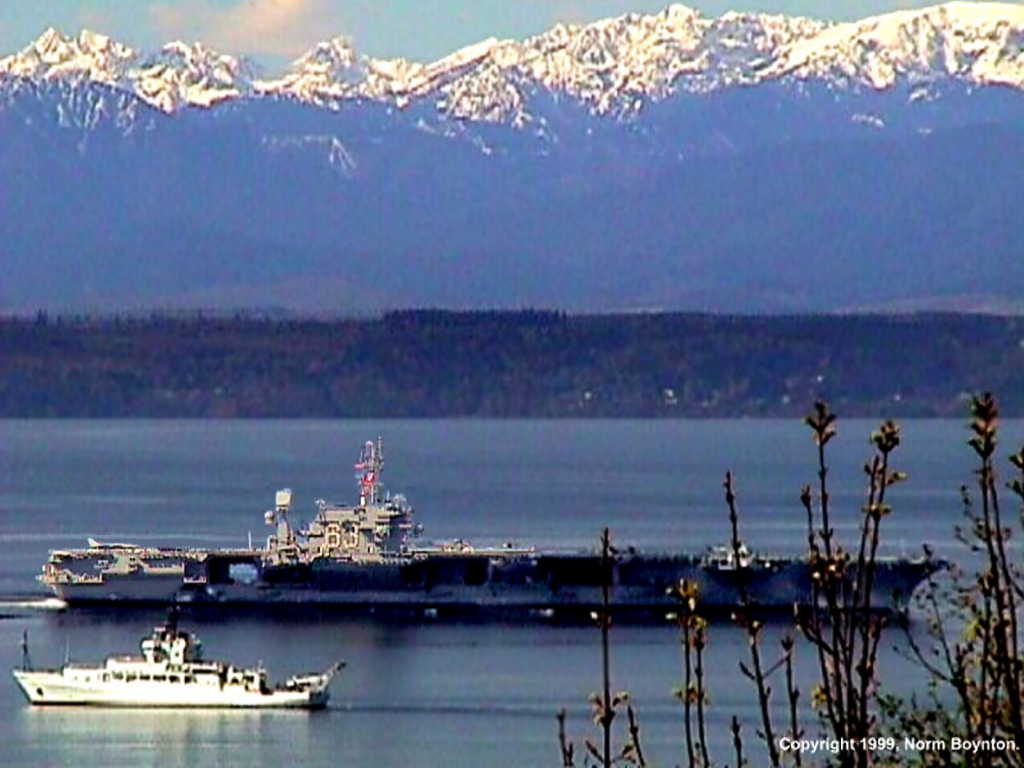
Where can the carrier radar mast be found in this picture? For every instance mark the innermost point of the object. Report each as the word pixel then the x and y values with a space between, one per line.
pixel 283 546
pixel 368 469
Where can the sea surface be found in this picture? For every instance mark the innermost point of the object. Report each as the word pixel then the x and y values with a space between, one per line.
pixel 437 693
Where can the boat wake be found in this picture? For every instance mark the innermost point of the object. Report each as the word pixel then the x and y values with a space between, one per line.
pixel 22 605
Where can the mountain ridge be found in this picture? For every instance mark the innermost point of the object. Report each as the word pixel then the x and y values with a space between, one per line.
pixel 637 163
pixel 611 66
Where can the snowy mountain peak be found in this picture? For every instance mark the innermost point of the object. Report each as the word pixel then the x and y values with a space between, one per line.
pixel 182 74
pixel 680 12
pixel 402 80
pixel 50 39
pixel 332 71
pixel 615 66
pixel 977 42
pixel 331 56
pixel 618 65
pixel 324 74
pixel 90 56
pixel 178 75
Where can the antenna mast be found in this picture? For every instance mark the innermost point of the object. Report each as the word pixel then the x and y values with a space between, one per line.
pixel 26 662
pixel 368 469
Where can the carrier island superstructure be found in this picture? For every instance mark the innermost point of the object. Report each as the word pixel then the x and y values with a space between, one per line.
pixel 365 558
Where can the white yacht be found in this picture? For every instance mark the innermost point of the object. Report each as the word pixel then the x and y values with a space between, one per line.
pixel 170 672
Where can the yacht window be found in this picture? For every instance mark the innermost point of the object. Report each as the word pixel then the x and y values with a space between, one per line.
pixel 106 677
pixel 119 675
pixel 160 678
pixel 189 679
pixel 144 677
pixel 130 677
pixel 173 678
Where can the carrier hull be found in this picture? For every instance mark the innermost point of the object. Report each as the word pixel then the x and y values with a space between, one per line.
pixel 537 584
pixel 364 557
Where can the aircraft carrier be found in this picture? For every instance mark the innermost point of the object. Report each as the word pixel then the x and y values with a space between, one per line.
pixel 364 558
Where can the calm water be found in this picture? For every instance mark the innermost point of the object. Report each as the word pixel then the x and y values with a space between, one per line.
pixel 442 694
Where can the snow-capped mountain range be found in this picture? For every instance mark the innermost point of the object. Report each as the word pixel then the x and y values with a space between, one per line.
pixel 742 163
pixel 176 76
pixel 614 66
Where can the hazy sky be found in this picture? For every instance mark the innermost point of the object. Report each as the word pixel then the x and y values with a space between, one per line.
pixel 273 31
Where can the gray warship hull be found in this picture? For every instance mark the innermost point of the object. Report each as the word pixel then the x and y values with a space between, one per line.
pixel 436 583
pixel 363 557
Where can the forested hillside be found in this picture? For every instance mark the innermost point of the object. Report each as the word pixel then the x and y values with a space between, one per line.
pixel 506 364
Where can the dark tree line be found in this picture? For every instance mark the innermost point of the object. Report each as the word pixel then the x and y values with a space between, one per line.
pixel 435 363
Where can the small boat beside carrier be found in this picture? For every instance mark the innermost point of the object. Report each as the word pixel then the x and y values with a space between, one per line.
pixel 171 672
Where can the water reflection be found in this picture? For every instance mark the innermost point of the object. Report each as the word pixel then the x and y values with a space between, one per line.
pixel 167 737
